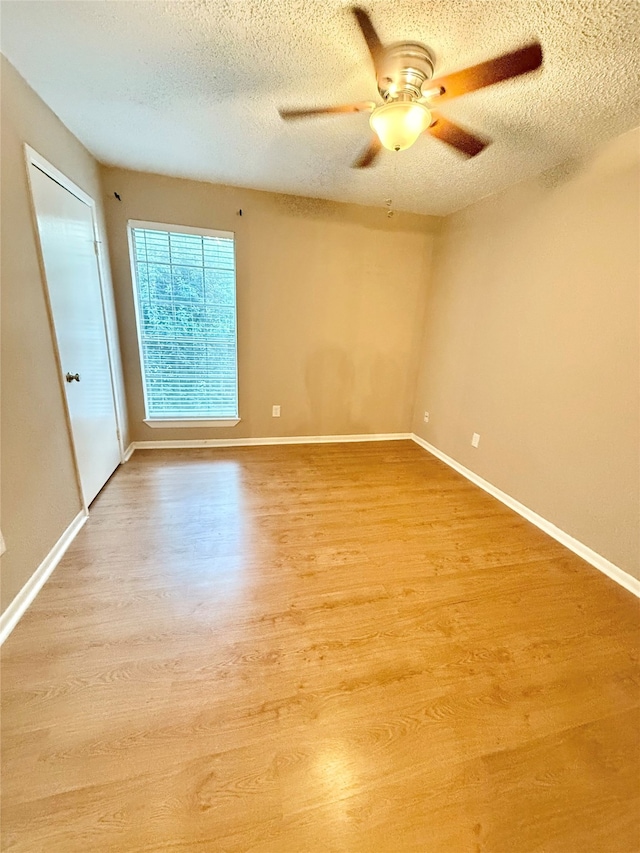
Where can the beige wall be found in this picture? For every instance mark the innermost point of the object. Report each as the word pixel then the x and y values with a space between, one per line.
pixel 39 494
pixel 532 341
pixel 330 304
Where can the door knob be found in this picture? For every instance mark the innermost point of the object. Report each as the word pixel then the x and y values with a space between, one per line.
pixel 71 376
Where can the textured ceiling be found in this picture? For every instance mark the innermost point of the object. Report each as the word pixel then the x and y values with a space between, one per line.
pixel 191 88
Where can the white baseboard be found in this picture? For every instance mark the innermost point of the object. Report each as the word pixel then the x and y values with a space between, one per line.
pixel 14 612
pixel 590 556
pixel 255 442
pixel 128 452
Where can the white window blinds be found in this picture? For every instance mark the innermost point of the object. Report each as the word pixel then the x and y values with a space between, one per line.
pixel 186 304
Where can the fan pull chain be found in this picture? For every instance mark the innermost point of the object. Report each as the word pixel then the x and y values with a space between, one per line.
pixel 394 188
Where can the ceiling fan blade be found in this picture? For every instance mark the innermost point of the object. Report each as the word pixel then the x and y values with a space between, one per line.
pixel 369 154
pixel 363 107
pixel 370 35
pixel 459 138
pixel 487 73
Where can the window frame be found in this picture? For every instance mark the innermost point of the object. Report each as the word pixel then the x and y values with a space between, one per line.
pixel 180 422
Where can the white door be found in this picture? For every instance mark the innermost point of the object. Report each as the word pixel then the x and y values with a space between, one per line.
pixel 67 241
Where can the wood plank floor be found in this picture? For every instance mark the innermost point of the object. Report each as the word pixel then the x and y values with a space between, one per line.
pixel 319 648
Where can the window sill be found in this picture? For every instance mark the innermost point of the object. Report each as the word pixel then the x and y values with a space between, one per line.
pixel 180 423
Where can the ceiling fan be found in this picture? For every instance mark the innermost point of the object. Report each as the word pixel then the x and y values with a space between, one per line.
pixel 404 73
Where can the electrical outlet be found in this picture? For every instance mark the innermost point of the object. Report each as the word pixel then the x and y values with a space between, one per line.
pixel 475 439
pixel 275 412
pixel 426 417
pixel 3 547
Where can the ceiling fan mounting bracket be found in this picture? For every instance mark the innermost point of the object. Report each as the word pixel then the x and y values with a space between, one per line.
pixel 404 68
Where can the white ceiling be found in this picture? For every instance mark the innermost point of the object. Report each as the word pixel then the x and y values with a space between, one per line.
pixel 192 87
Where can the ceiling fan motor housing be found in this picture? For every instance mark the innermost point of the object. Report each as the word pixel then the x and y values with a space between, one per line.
pixel 403 69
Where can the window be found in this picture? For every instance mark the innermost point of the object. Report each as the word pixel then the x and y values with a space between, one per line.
pixel 185 293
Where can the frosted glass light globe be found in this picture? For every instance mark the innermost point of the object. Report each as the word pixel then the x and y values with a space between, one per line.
pixel 399 123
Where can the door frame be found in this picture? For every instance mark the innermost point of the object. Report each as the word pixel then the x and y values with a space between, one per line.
pixel 37 161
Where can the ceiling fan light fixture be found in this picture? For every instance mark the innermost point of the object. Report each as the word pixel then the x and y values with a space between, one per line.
pixel 399 123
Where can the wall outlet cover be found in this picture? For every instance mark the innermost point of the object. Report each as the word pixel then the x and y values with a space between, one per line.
pixel 475 439
pixel 275 412
pixel 426 417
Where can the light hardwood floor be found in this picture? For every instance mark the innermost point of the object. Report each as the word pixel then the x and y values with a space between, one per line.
pixel 319 648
